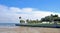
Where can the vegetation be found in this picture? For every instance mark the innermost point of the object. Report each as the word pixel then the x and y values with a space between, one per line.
pixel 51 19
pixel 32 21
pixel 22 21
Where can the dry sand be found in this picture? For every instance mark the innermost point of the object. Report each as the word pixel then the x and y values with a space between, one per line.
pixel 29 30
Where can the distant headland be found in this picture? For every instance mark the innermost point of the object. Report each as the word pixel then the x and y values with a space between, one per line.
pixel 47 21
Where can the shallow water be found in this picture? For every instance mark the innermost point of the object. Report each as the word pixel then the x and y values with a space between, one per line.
pixel 8 25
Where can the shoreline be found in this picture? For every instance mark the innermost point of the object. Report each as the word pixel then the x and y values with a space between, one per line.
pixel 40 25
pixel 29 30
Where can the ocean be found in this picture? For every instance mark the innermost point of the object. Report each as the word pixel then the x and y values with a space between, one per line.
pixel 8 25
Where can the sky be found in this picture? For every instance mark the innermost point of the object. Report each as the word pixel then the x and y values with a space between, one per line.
pixel 10 10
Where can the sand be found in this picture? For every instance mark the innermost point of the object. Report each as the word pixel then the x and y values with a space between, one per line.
pixel 29 30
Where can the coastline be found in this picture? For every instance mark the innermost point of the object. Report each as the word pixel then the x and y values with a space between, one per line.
pixel 21 29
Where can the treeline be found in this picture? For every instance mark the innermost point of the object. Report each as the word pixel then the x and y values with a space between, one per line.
pixel 30 21
pixel 51 18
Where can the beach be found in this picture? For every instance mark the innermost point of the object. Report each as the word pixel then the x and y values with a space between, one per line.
pixel 21 29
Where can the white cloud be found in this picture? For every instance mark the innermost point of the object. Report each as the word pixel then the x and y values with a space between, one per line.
pixel 14 9
pixel 27 9
pixel 11 14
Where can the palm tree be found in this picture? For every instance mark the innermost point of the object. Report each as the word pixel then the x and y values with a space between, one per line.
pixel 22 21
pixel 19 17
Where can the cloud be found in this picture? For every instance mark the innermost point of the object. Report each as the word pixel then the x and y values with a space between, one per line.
pixel 11 14
pixel 27 9
pixel 14 9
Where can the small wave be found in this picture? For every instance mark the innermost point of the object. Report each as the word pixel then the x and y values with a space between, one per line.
pixel 8 25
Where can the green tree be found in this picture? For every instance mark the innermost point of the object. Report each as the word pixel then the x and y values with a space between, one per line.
pixel 22 21
pixel 27 21
pixel 51 18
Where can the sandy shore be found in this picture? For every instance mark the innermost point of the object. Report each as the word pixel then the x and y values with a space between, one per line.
pixel 29 30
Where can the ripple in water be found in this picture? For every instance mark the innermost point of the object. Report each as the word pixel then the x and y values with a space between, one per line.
pixel 8 25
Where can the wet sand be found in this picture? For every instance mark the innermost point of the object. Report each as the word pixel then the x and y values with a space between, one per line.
pixel 29 30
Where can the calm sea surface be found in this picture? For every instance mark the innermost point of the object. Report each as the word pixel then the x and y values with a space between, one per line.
pixel 8 25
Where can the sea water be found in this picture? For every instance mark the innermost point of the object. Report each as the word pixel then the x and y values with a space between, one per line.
pixel 8 25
